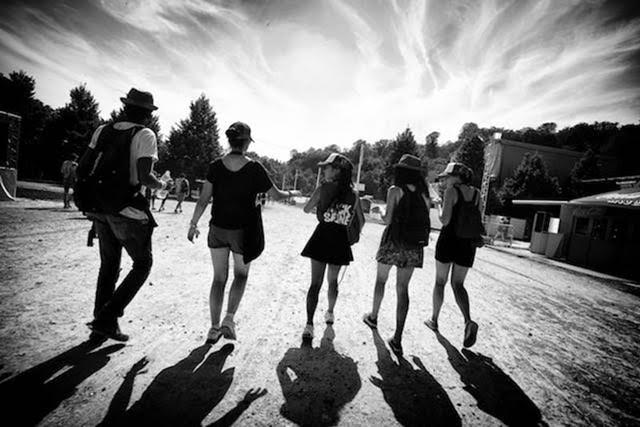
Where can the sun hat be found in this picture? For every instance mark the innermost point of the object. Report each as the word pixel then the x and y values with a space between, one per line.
pixel 456 169
pixel 140 99
pixel 239 130
pixel 337 160
pixel 407 161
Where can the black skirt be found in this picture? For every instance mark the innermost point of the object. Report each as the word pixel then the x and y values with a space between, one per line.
pixel 329 243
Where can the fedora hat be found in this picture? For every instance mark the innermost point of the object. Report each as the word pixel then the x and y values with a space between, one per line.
pixel 140 99
pixel 407 161
pixel 456 169
pixel 239 130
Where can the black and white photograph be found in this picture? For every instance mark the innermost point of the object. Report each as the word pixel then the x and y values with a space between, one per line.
pixel 320 213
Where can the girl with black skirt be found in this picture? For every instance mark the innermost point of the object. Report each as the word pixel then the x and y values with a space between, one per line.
pixel 328 246
pixel 453 253
pixel 403 240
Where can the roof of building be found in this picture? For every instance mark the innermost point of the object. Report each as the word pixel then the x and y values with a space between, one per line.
pixel 622 198
pixel 539 202
pixel 544 148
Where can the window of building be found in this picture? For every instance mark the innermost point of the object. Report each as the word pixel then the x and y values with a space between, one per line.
pixel 581 226
pixel 599 229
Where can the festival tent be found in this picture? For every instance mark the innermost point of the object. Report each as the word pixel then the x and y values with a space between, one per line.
pixel 622 198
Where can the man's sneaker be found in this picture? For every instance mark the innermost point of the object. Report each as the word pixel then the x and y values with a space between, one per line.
pixel 328 318
pixel 228 329
pixel 470 333
pixel 308 331
pixel 108 330
pixel 214 335
pixel 370 321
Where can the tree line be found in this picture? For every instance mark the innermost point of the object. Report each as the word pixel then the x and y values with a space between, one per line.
pixel 48 136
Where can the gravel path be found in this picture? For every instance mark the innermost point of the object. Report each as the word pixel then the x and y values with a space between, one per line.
pixel 554 346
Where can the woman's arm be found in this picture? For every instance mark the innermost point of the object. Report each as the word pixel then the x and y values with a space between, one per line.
pixel 201 205
pixel 394 194
pixel 450 199
pixel 276 194
pixel 313 201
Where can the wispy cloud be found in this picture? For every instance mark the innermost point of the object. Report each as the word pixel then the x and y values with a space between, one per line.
pixel 316 73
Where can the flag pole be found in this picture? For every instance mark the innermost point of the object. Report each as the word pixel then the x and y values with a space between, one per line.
pixel 360 166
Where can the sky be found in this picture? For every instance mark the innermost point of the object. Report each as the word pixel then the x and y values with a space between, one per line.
pixel 306 73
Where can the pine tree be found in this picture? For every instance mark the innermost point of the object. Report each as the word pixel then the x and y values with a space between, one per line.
pixel 585 168
pixel 530 180
pixel 80 117
pixel 471 154
pixel 431 145
pixel 194 142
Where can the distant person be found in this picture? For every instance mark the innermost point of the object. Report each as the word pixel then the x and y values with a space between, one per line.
pixel 68 172
pixel 453 252
pixel 118 161
pixel 403 240
pixel 163 194
pixel 182 190
pixel 328 247
pixel 234 181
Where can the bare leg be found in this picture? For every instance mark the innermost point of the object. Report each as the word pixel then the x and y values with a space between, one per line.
pixel 332 291
pixel 458 275
pixel 442 274
pixel 240 275
pixel 317 277
pixel 381 280
pixel 402 307
pixel 220 260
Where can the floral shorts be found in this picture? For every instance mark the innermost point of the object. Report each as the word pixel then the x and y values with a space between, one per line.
pixel 390 254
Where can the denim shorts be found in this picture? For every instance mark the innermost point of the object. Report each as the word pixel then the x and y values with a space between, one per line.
pixel 225 238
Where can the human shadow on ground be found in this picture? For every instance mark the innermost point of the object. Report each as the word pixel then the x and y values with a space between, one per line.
pixel 31 395
pixel 317 382
pixel 180 395
pixel 414 395
pixel 232 416
pixel 496 393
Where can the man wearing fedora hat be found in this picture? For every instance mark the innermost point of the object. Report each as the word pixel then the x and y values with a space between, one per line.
pixel 130 147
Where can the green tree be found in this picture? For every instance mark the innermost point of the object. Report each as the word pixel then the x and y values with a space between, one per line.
pixel 471 153
pixel 585 168
pixel 194 142
pixel 405 143
pixel 431 145
pixel 81 117
pixel 530 180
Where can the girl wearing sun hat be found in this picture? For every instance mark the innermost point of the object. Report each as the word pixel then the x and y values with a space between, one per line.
pixel 335 202
pixel 403 240
pixel 454 253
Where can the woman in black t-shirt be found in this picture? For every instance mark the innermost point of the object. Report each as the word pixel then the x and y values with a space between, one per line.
pixel 234 181
pixel 328 247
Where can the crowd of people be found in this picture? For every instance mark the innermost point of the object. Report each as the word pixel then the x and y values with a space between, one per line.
pixel 117 189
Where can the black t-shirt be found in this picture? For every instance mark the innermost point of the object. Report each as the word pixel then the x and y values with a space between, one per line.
pixel 234 193
pixel 332 207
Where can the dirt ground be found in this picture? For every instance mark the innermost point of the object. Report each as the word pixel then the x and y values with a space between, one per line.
pixel 554 346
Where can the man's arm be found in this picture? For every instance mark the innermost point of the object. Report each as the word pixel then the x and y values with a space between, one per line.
pixel 146 176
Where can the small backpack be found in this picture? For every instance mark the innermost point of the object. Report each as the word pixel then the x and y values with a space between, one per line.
pixel 103 184
pixel 356 223
pixel 468 218
pixel 412 220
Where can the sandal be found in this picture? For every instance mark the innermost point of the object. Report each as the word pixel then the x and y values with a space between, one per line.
pixel 308 332
pixel 431 325
pixel 328 318
pixel 470 334
pixel 228 329
pixel 213 336
pixel 370 321
pixel 395 347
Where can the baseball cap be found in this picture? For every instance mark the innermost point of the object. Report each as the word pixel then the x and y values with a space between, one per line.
pixel 239 130
pixel 338 160
pixel 456 169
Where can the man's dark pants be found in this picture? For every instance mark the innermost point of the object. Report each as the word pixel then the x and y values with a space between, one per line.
pixel 114 233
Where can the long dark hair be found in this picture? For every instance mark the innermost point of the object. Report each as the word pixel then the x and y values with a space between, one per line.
pixel 343 183
pixel 405 176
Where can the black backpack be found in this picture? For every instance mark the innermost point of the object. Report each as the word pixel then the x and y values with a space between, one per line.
pixel 468 218
pixel 411 218
pixel 102 184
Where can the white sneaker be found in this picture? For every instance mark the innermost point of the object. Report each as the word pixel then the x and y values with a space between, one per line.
pixel 328 318
pixel 308 331
pixel 214 335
